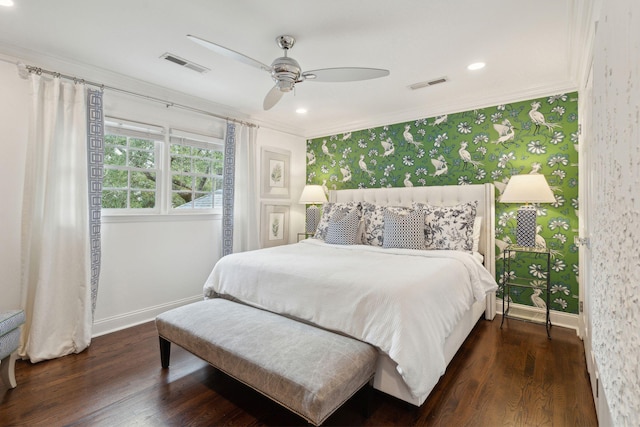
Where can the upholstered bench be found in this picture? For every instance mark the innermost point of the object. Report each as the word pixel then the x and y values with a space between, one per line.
pixel 308 370
pixel 10 322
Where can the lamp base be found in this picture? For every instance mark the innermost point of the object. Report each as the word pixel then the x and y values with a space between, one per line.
pixel 313 218
pixel 526 230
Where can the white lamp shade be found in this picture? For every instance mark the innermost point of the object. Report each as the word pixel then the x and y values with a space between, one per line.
pixel 532 188
pixel 313 194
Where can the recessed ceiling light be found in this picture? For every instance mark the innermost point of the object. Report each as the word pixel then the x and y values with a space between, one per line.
pixel 476 66
pixel 301 111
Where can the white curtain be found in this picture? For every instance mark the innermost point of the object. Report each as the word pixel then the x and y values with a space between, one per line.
pixel 56 271
pixel 246 226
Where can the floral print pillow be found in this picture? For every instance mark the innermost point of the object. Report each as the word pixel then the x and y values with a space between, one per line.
pixel 449 227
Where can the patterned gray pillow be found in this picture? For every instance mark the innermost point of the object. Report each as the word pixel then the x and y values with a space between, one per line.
pixel 374 221
pixel 404 231
pixel 449 227
pixel 328 210
pixel 343 228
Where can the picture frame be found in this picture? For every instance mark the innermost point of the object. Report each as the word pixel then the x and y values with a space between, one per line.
pixel 274 224
pixel 275 165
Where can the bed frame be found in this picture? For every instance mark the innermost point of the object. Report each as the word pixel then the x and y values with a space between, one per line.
pixel 387 378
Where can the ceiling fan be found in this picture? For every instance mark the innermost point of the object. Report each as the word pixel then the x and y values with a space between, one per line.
pixel 286 71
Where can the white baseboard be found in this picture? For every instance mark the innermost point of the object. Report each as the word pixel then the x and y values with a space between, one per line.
pixel 126 320
pixel 558 318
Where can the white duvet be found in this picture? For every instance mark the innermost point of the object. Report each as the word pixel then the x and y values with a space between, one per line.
pixel 405 302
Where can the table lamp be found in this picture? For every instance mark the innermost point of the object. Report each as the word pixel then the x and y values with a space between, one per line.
pixel 531 188
pixel 312 195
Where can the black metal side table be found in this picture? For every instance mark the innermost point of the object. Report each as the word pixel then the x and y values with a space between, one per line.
pixel 509 254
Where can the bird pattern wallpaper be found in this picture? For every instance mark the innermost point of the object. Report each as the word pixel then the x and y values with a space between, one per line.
pixel 474 147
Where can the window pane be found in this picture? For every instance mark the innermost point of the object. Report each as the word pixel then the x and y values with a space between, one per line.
pixel 181 199
pixel 114 199
pixel 115 140
pixel 143 180
pixel 184 150
pixel 114 178
pixel 142 143
pixel 143 199
pixel 203 201
pixel 203 184
pixel 202 166
pixel 181 182
pixel 115 155
pixel 217 198
pixel 218 162
pixel 130 174
pixel 141 159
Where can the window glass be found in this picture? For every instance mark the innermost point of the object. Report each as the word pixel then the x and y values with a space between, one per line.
pixel 196 174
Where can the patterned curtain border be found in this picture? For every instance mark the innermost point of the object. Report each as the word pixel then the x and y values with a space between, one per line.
pixel 228 184
pixel 95 161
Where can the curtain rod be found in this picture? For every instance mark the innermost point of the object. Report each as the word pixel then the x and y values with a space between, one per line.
pixel 24 69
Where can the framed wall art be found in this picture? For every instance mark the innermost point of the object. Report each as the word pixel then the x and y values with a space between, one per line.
pixel 274 224
pixel 275 165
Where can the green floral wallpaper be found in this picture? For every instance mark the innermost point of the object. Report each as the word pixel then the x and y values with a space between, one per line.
pixel 473 147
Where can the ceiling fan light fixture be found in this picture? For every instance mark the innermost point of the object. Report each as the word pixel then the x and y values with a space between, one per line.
pixel 285 85
pixel 301 110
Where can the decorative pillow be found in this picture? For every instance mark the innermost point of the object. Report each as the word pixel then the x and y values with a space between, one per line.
pixel 404 231
pixel 449 227
pixel 343 228
pixel 374 221
pixel 328 210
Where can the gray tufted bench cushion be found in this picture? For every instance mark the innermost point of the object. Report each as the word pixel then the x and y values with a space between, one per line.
pixel 310 371
pixel 10 322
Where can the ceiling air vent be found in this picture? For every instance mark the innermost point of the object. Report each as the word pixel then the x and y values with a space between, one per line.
pixel 428 83
pixel 184 63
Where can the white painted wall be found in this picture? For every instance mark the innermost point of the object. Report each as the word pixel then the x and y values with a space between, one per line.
pixel 614 214
pixel 148 264
pixel 298 148
pixel 13 136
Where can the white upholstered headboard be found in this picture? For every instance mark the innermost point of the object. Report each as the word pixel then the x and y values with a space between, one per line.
pixel 446 195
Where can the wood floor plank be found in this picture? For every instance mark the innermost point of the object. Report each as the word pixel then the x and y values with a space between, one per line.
pixel 513 376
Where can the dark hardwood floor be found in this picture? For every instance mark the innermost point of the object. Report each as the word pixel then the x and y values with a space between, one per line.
pixel 511 377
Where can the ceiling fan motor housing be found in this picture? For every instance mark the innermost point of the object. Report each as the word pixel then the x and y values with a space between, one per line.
pixel 286 72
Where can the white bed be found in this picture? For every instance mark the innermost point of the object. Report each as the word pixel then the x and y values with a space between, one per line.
pixel 307 290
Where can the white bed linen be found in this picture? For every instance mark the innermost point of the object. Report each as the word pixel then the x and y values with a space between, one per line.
pixel 405 302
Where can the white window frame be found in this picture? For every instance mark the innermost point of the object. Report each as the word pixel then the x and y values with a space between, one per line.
pixel 177 136
pixel 131 129
pixel 163 140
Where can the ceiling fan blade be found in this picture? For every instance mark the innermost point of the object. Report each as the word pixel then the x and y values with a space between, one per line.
pixel 346 74
pixel 229 53
pixel 272 98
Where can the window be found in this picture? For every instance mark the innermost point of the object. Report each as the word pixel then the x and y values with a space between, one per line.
pixel 196 172
pixel 145 173
pixel 131 155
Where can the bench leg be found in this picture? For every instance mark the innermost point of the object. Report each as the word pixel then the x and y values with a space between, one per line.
pixel 165 352
pixel 7 370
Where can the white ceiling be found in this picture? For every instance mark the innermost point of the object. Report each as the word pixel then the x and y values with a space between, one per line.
pixel 531 48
